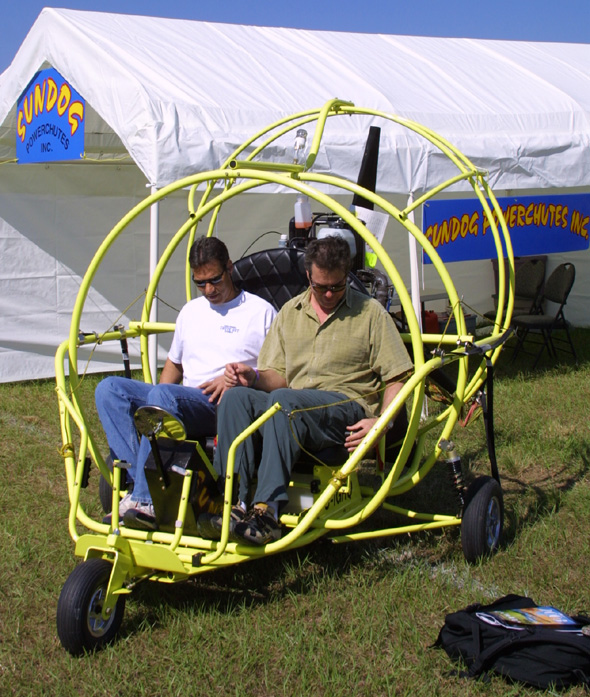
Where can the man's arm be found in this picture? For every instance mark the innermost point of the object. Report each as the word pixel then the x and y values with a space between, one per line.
pixel 360 429
pixel 245 376
pixel 171 373
pixel 389 394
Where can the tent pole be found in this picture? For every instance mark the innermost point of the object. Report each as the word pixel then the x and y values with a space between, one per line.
pixel 415 281
pixel 414 267
pixel 154 254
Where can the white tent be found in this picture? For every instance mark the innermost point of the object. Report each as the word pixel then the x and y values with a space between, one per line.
pixel 167 98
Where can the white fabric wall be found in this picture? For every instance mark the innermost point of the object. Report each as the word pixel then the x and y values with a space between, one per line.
pixel 52 221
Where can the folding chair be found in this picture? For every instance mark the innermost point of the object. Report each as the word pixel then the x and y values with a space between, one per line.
pixel 528 282
pixel 557 288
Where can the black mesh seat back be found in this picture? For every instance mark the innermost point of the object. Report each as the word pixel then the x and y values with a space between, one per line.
pixel 559 283
pixel 277 275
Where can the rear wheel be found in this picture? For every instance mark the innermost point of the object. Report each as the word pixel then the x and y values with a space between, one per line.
pixel 483 519
pixel 80 625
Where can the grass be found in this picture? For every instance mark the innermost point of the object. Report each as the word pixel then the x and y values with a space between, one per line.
pixel 327 620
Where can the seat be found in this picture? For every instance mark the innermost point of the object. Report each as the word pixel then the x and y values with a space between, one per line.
pixel 277 275
pixel 556 290
pixel 528 283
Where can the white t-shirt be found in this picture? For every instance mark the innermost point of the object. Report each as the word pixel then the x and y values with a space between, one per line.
pixel 208 336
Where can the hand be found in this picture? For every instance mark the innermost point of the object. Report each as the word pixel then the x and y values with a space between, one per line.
pixel 215 388
pixel 239 375
pixel 357 431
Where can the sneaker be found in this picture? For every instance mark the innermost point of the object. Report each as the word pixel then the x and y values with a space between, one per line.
pixel 141 516
pixel 209 525
pixel 259 526
pixel 124 505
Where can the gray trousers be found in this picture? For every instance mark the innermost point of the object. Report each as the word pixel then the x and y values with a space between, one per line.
pixel 278 441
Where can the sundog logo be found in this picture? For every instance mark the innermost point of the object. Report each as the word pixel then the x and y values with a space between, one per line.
pixel 459 230
pixel 49 120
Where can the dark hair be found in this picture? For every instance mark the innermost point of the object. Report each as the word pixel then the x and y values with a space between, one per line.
pixel 330 253
pixel 207 249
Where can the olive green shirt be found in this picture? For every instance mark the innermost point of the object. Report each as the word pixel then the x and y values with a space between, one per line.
pixel 356 349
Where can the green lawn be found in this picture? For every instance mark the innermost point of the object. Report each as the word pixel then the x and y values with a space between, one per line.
pixel 328 620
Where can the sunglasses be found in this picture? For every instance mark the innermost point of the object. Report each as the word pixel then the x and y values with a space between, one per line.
pixel 324 289
pixel 213 281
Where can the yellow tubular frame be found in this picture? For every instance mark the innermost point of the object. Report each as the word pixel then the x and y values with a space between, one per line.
pixel 173 556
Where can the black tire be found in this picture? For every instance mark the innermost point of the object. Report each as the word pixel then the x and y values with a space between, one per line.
pixel 105 490
pixel 483 519
pixel 80 626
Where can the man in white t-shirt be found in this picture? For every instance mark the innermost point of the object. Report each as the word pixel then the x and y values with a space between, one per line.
pixel 224 325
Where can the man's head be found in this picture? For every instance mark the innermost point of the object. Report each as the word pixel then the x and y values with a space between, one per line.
pixel 327 263
pixel 211 267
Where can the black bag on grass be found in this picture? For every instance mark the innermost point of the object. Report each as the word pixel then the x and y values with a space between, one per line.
pixel 516 638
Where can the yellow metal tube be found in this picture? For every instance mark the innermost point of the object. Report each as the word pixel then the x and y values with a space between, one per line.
pixel 229 477
pixel 334 105
pixel 184 499
pixel 239 176
pixel 266 166
pixel 390 532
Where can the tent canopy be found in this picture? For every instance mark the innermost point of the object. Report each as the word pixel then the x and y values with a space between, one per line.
pixel 181 95
pixel 166 98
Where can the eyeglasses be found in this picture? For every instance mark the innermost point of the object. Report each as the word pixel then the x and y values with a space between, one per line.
pixel 213 281
pixel 324 289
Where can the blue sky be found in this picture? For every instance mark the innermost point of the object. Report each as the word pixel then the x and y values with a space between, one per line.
pixel 528 20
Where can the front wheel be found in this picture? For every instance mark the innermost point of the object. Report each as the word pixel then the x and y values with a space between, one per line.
pixel 80 625
pixel 483 518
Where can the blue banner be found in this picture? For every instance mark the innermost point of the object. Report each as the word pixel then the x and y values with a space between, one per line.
pixel 49 120
pixel 459 230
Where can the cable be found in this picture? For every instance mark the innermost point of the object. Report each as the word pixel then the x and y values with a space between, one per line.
pixel 268 232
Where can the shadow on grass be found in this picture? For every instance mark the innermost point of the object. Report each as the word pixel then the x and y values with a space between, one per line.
pixel 510 366
pixel 245 586
pixel 299 572
pixel 242 587
pixel 528 501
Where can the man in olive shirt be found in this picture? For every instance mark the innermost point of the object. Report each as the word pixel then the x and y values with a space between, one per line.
pixel 326 357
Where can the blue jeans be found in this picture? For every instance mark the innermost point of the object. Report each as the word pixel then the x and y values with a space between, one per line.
pixel 117 400
pixel 321 423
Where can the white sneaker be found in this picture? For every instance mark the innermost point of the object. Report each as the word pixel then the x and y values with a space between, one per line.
pixel 124 505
